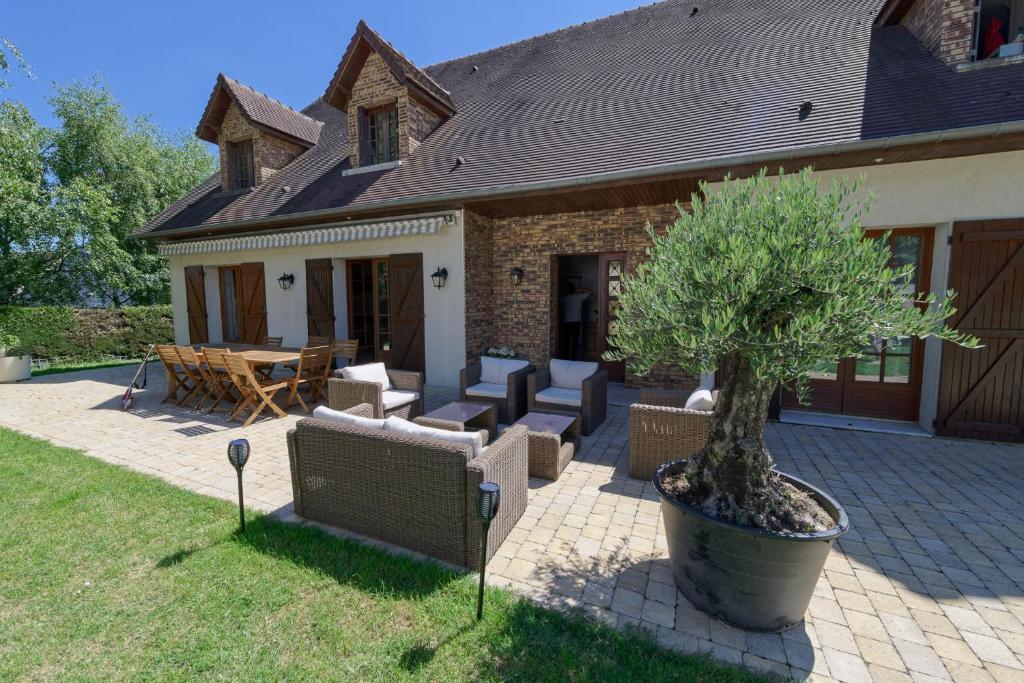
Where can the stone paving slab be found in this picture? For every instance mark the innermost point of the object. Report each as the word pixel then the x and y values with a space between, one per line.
pixel 928 585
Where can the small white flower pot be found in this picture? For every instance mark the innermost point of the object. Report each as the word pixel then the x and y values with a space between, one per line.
pixel 15 368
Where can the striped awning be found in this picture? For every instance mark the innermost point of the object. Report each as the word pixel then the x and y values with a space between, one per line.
pixel 328 234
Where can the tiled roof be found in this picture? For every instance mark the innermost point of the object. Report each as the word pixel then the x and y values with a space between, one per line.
pixel 653 86
pixel 261 110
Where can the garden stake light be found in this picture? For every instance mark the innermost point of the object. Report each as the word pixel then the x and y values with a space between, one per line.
pixel 487 507
pixel 238 455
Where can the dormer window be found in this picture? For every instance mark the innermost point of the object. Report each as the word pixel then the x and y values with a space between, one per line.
pixel 998 29
pixel 382 134
pixel 241 163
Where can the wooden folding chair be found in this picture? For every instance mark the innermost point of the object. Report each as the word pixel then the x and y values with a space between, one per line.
pixel 256 395
pixel 218 378
pixel 267 371
pixel 311 372
pixel 193 369
pixel 176 377
pixel 347 349
pixel 319 341
pixel 273 341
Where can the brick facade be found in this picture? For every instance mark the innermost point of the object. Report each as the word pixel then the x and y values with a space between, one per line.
pixel 270 153
pixel 524 317
pixel 376 87
pixel 945 27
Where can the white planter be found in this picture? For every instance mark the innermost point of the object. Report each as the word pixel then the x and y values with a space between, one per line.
pixel 15 368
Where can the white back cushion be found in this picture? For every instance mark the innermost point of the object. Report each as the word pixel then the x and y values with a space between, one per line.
pixel 569 374
pixel 495 370
pixel 328 415
pixel 701 399
pixel 370 372
pixel 402 426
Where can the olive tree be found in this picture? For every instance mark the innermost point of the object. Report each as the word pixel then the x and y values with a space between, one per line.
pixel 763 279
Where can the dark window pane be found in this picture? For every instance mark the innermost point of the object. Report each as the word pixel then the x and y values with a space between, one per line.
pixel 897 369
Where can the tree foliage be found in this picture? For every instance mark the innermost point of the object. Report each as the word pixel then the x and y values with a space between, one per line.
pixel 766 278
pixel 71 196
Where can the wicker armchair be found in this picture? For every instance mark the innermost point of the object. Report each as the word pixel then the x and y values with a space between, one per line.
pixel 594 403
pixel 414 492
pixel 509 407
pixel 346 393
pixel 661 429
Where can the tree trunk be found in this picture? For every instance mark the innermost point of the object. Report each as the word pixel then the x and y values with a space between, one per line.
pixel 731 478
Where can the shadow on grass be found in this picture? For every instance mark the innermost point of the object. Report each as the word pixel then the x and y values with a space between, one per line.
pixel 346 561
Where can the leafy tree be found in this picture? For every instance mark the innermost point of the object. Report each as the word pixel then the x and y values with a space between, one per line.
pixel 9 52
pixel 79 191
pixel 765 278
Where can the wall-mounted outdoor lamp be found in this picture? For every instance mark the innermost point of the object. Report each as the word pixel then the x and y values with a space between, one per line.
pixel 238 455
pixel 516 276
pixel 286 281
pixel 488 499
pixel 439 277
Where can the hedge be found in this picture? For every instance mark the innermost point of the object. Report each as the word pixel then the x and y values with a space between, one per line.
pixel 88 334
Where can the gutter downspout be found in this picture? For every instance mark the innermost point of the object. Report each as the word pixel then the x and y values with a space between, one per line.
pixel 613 176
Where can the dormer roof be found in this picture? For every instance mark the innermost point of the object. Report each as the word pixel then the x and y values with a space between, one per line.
pixel 365 40
pixel 260 110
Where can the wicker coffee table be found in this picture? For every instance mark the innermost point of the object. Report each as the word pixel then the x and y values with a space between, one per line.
pixel 553 440
pixel 470 415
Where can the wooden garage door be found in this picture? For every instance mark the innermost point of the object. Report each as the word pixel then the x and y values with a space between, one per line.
pixel 320 298
pixel 982 391
pixel 195 301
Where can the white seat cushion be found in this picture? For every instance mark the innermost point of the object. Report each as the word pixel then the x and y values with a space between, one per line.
pixel 565 397
pixel 328 415
pixel 370 372
pixel 488 390
pixel 701 399
pixel 496 370
pixel 569 374
pixel 402 426
pixel 396 397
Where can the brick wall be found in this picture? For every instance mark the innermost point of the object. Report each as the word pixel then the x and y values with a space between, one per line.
pixel 422 123
pixel 523 317
pixel 275 154
pixel 945 27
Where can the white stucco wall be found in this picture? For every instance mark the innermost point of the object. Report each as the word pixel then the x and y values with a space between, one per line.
pixel 937 194
pixel 444 309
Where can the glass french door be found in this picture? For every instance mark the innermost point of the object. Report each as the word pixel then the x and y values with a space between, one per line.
pixel 885 382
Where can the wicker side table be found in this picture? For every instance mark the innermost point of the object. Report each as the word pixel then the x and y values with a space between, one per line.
pixel 553 440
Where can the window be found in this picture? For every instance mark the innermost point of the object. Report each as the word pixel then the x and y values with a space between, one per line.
pixel 382 134
pixel 241 165
pixel 999 31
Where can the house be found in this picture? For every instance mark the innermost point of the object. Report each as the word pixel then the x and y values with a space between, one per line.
pixel 521 170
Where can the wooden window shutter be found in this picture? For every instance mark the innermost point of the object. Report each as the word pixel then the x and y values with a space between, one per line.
pixel 253 302
pixel 364 138
pixel 195 302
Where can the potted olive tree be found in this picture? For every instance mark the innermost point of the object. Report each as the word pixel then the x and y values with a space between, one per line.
pixel 764 279
pixel 15 365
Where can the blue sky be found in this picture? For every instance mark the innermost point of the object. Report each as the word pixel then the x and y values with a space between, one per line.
pixel 161 58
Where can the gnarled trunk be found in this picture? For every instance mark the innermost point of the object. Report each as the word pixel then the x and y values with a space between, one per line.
pixel 731 478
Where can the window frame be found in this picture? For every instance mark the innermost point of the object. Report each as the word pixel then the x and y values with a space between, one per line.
pixel 242 177
pixel 388 135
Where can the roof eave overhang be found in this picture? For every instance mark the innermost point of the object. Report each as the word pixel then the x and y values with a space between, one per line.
pixel 628 175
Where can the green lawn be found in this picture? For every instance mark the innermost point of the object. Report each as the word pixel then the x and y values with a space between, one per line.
pixel 74 367
pixel 109 574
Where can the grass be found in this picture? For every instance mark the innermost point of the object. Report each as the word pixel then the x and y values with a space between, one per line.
pixel 74 367
pixel 109 574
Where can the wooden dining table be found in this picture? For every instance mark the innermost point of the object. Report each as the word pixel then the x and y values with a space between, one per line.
pixel 257 354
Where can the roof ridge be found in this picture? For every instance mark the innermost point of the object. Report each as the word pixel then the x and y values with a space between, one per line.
pixel 404 56
pixel 551 33
pixel 276 101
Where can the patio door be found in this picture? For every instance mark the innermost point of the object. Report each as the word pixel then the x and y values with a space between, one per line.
pixel 610 269
pixel 886 381
pixel 386 309
pixel 243 303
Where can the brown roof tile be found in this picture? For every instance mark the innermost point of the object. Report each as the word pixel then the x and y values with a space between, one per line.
pixel 259 109
pixel 639 90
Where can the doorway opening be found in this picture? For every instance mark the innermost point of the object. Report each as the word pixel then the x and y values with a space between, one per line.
pixel 585 300
pixel 360 307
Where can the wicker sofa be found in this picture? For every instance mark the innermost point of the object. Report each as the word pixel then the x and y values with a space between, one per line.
pixel 410 491
pixel 343 393
pixel 499 381
pixel 661 429
pixel 588 401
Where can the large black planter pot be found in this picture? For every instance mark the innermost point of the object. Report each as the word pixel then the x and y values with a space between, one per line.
pixel 751 578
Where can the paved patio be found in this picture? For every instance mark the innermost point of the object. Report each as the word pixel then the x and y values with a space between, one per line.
pixel 928 584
